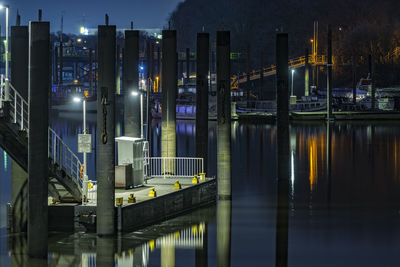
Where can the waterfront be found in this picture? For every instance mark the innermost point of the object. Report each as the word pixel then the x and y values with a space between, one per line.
pixel 350 219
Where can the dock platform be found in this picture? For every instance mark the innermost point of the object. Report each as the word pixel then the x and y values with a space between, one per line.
pixel 146 210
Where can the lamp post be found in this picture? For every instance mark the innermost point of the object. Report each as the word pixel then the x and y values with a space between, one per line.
pixel 135 93
pixel 291 90
pixel 7 85
pixel 85 131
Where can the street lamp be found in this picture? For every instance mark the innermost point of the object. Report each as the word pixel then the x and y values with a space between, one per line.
pixel 85 177
pixel 7 85
pixel 135 93
pixel 292 82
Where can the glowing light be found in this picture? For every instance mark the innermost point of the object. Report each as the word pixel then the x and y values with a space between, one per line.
pixel 84 30
pixel 134 93
pixel 77 99
pixel 79 40
pixel 75 81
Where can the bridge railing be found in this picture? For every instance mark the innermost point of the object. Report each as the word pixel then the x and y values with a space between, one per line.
pixel 174 167
pixel 18 106
pixel 62 155
pixel 270 70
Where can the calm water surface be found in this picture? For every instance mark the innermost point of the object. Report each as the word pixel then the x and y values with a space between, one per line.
pixel 347 218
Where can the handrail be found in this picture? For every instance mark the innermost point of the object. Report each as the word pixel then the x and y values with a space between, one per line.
pixel 19 106
pixel 270 70
pixel 61 154
pixel 58 151
pixel 174 167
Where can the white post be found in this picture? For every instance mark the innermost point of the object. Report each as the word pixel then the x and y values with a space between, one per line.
pixel 7 89
pixel 15 107
pixel 85 177
pixel 141 115
pixel 291 92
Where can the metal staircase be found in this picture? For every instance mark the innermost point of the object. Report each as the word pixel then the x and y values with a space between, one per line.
pixel 65 183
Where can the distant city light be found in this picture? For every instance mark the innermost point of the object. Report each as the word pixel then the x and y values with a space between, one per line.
pixel 84 30
pixel 79 40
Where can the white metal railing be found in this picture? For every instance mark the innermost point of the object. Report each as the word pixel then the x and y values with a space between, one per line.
pixel 60 153
pixel 19 106
pixel 174 167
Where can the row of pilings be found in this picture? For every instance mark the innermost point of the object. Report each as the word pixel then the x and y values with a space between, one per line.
pixel 32 70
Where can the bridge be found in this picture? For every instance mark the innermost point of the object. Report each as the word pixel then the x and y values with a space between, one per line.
pixel 295 63
pixel 65 183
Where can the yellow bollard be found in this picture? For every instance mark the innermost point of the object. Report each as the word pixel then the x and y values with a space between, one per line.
pixel 152 193
pixel 119 201
pixel 131 199
pixel 177 185
pixel 202 176
pixel 195 180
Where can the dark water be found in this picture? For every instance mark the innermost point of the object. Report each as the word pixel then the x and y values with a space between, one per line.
pixel 348 218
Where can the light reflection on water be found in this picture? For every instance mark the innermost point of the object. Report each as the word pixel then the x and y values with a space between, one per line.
pixel 350 219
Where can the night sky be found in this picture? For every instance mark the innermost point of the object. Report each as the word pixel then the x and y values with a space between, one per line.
pixel 145 14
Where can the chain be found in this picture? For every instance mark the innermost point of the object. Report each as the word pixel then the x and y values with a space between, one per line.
pixel 104 135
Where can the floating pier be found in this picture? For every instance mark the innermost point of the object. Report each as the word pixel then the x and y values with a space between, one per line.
pixel 167 203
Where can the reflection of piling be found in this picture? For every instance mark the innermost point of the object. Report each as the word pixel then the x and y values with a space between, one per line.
pixel 282 79
pixel 203 48
pixel 329 76
pixel 223 116
pixel 19 60
pixel 39 82
pixel 105 251
pixel 106 130
pixel 306 76
pixel 131 84
pixel 201 254
pixel 224 222
pixel 169 87
pixel 167 255
pixel 329 158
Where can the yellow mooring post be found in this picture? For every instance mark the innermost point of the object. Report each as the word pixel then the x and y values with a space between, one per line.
pixel 131 198
pixel 202 176
pixel 195 180
pixel 152 192
pixel 119 201
pixel 177 185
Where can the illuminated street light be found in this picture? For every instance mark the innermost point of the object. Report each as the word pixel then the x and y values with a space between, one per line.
pixel 134 93
pixel 85 177
pixel 292 82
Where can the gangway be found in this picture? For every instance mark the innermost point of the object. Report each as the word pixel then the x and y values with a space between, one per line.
pixel 271 70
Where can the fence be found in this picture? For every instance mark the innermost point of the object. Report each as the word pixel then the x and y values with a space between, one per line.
pixel 174 167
